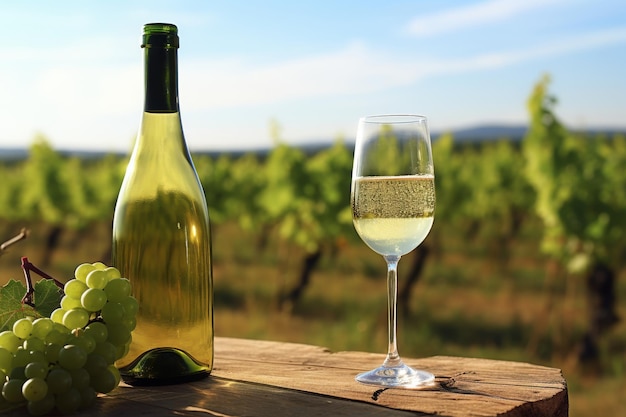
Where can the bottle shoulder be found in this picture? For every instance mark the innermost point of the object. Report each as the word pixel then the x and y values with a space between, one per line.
pixel 151 171
pixel 160 159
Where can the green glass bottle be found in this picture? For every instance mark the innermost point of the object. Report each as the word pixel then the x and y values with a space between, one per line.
pixel 161 234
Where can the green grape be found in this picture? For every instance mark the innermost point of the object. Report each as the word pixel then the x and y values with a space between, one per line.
pixel 74 288
pixel 3 377
pixel 122 350
pixel 126 348
pixel 118 334
pixel 35 389
pixel 112 312
pixel 85 341
pixel 80 377
pixel 103 382
pixel 21 357
pixel 17 372
pixel 56 337
pixel 99 265
pixel 6 360
pixel 52 351
pixel 116 373
pixel 112 273
pixel 9 341
pixel 82 270
pixel 22 328
pixel 97 279
pixel 59 380
pixel 41 327
pixel 117 289
pixel 37 356
pixel 87 396
pixel 61 328
pixel 75 318
pixel 34 343
pixel 69 401
pixel 93 299
pixel 68 303
pixel 12 390
pixel 95 364
pixel 36 370
pixel 130 304
pixel 98 331
pixel 72 357
pixel 41 407
pixel 107 351
pixel 129 322
pixel 57 315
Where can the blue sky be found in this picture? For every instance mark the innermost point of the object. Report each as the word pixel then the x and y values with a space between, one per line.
pixel 72 70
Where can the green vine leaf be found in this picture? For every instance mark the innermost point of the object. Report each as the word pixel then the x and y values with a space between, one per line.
pixel 47 297
pixel 11 307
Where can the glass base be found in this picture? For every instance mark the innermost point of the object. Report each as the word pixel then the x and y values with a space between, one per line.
pixel 401 376
pixel 163 366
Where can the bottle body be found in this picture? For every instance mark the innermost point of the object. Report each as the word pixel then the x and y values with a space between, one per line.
pixel 162 243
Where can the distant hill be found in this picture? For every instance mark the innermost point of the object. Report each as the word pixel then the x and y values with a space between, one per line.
pixel 12 154
pixel 487 133
pixel 511 132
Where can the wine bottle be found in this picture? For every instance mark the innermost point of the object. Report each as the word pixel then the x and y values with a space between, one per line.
pixel 161 233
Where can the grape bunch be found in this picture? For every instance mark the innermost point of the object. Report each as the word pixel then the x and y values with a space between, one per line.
pixel 63 361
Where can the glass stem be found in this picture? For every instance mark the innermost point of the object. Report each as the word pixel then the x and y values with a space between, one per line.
pixel 393 358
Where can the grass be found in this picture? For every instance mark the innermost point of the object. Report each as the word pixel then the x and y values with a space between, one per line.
pixel 473 300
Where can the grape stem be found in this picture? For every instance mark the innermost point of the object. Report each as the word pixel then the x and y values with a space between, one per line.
pixel 23 234
pixel 28 267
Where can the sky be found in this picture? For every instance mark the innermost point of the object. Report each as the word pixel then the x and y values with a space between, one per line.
pixel 72 71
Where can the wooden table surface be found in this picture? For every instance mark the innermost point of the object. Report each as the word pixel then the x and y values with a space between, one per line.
pixel 265 378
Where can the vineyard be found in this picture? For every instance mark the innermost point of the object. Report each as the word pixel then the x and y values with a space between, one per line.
pixel 526 260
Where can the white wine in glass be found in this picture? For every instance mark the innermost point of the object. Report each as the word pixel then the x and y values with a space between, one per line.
pixel 393 207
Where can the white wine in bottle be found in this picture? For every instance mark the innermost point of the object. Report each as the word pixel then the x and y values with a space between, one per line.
pixel 161 234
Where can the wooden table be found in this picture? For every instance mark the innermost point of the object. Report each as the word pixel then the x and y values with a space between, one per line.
pixel 264 378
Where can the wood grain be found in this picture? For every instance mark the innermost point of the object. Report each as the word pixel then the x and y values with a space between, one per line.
pixel 273 379
pixel 464 386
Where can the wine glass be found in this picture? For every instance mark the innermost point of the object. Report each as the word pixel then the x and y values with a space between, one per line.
pixel 393 204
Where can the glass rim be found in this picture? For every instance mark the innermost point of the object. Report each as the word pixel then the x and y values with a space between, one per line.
pixel 394 118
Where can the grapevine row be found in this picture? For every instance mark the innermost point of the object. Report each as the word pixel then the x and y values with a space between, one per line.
pixel 570 182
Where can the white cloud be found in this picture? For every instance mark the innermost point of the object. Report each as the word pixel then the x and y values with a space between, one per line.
pixel 556 47
pixel 354 69
pixel 472 15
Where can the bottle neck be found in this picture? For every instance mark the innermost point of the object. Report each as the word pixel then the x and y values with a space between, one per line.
pixel 161 79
